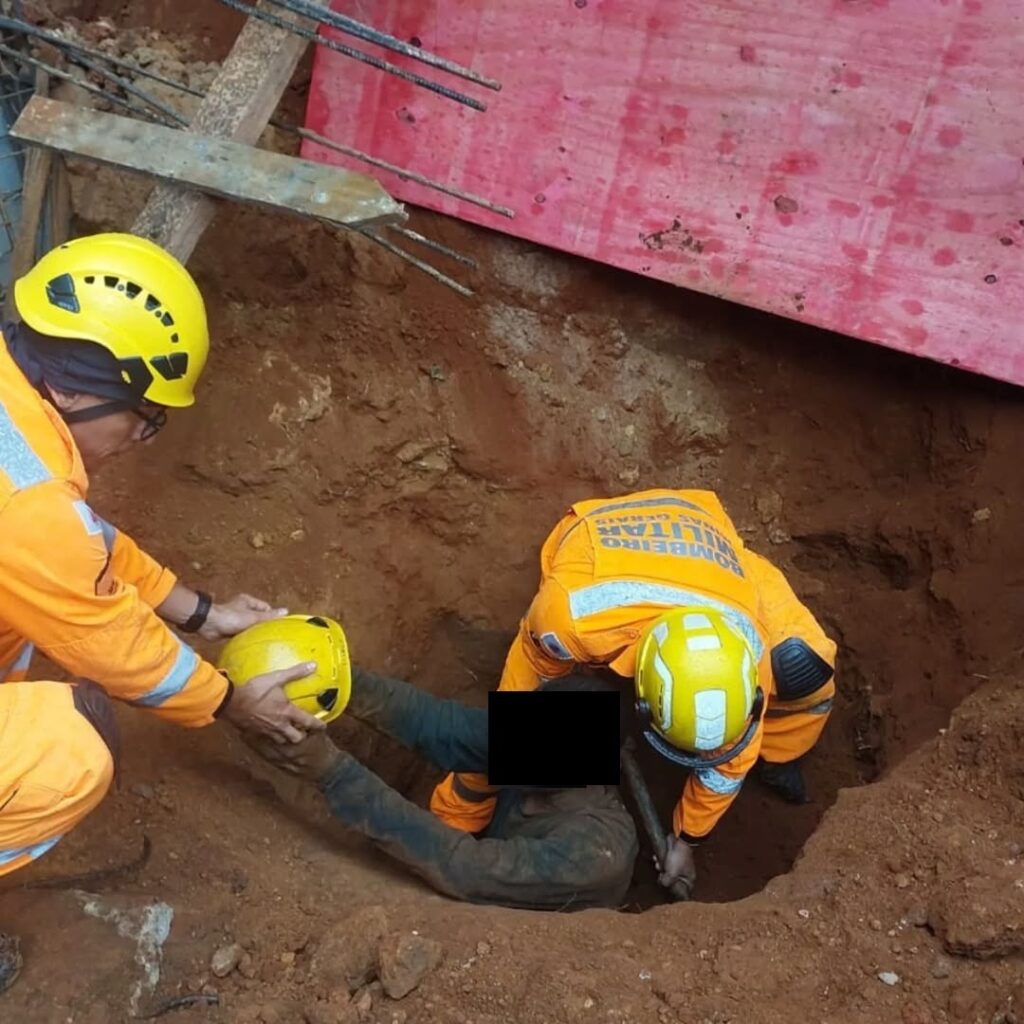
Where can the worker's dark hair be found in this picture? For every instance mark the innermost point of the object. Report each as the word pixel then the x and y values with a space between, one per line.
pixel 598 680
pixel 67 364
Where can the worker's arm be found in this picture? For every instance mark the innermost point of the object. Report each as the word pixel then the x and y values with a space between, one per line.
pixel 59 591
pixel 528 664
pixel 172 600
pixel 709 792
pixel 449 734
pixel 578 870
pixel 781 611
pixel 128 562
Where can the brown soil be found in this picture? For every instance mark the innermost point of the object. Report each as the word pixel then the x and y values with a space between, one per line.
pixel 371 446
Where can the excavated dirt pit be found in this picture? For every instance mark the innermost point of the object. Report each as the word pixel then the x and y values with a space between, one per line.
pixel 371 446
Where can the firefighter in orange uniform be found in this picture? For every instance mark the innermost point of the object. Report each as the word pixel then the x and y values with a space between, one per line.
pixel 728 666
pixel 112 333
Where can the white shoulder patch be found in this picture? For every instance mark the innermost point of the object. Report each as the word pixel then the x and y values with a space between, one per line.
pixel 553 647
pixel 92 522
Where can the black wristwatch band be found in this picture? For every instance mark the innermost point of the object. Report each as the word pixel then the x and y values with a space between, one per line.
pixel 199 616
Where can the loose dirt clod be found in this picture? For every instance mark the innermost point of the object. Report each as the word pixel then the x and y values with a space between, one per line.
pixel 405 960
pixel 347 952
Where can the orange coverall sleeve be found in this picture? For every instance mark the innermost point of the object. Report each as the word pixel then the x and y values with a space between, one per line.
pixel 58 590
pixel 527 666
pixel 781 611
pixel 130 563
pixel 709 792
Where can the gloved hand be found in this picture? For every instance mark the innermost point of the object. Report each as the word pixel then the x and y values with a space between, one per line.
pixel 679 871
pixel 311 759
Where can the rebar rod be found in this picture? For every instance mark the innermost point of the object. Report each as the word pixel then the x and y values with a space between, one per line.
pixel 252 11
pixel 402 172
pixel 429 243
pixel 64 42
pixel 35 62
pixel 368 34
pixel 418 263
pixel 302 132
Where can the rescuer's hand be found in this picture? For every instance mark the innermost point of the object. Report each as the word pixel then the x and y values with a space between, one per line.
pixel 679 872
pixel 311 759
pixel 261 707
pixel 241 612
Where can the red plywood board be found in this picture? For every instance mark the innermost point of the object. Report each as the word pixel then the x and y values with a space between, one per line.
pixel 856 164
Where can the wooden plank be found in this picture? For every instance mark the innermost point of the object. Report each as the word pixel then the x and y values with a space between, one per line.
pixel 217 167
pixel 238 106
pixel 34 183
pixel 855 164
pixel 60 201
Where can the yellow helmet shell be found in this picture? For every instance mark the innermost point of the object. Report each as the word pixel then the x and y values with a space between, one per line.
pixel 130 296
pixel 698 676
pixel 291 640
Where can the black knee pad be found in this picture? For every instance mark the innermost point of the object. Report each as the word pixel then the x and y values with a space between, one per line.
pixel 92 703
pixel 798 669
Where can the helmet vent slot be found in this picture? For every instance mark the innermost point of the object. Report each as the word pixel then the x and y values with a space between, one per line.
pixel 327 699
pixel 132 289
pixel 317 621
pixel 152 303
pixel 110 281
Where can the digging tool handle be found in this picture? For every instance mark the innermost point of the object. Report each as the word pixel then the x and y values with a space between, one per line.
pixel 648 815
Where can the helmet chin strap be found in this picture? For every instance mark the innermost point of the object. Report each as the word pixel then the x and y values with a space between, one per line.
pixel 695 761
pixel 95 412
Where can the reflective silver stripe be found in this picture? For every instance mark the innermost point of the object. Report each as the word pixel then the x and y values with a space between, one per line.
pixel 713 779
pixel 34 851
pixel 602 597
pixel 20 663
pixel 821 708
pixel 471 796
pixel 109 534
pixel 174 682
pixel 646 503
pixel 17 459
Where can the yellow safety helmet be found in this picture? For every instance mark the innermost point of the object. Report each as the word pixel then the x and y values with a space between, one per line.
pixel 291 640
pixel 129 296
pixel 696 686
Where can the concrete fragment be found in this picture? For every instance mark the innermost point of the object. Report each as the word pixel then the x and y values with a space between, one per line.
pixel 405 960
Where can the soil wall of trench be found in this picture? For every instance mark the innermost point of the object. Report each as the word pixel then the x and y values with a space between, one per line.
pixel 371 446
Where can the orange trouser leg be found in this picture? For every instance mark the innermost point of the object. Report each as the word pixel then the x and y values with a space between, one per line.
pixel 54 769
pixel 464 801
pixel 791 728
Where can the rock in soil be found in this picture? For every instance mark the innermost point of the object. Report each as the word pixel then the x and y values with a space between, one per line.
pixel 10 960
pixel 347 954
pixel 405 960
pixel 980 918
pixel 226 959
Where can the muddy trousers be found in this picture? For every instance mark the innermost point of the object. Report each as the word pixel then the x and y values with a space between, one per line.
pixel 791 728
pixel 58 751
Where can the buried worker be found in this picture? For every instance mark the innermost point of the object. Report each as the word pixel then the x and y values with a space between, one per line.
pixel 728 665
pixel 111 334
pixel 546 849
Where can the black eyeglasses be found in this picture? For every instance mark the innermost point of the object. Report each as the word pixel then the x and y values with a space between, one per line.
pixel 155 418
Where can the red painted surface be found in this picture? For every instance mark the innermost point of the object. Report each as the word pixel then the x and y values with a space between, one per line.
pixel 857 164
